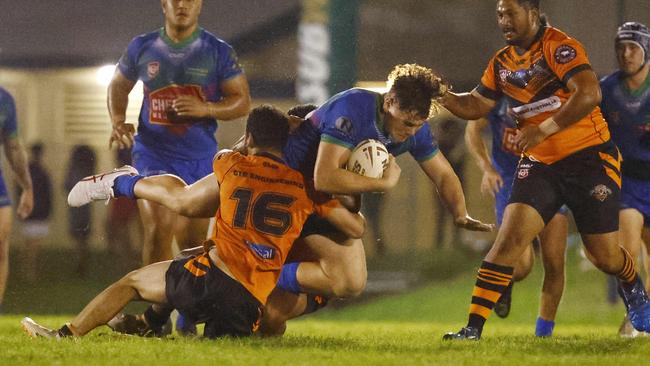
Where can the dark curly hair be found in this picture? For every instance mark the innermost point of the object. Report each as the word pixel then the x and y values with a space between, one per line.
pixel 414 87
pixel 269 127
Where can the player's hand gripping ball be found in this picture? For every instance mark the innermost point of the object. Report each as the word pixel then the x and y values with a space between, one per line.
pixel 369 159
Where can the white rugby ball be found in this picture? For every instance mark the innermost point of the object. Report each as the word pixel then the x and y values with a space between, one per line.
pixel 369 159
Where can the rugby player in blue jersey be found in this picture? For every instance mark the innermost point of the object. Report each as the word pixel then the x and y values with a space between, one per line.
pixel 330 264
pixel 191 79
pixel 626 107
pixel 17 157
pixel 498 174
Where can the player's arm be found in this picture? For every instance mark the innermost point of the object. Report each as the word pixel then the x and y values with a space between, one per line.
pixel 450 190
pixel 492 181
pixel 118 99
pixel 331 176
pixel 585 96
pixel 17 157
pixel 351 224
pixel 200 199
pixel 235 103
pixel 467 105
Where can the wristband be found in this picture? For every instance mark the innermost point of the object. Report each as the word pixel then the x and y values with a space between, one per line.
pixel 549 126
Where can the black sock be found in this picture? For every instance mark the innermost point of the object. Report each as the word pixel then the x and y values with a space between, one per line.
pixel 65 331
pixel 157 318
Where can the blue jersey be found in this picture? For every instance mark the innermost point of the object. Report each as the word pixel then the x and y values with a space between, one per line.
pixel 196 66
pixel 628 116
pixel 8 129
pixel 346 119
pixel 505 154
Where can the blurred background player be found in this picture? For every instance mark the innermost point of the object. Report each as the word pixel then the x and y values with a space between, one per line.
pixel 17 158
pixel 36 225
pixel 320 148
pixel 568 157
pixel 261 205
pixel 191 78
pixel 499 169
pixel 81 164
pixel 626 107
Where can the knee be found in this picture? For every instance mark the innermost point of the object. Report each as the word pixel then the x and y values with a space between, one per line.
pixel 350 286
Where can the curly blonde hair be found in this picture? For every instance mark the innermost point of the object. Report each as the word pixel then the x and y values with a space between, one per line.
pixel 415 87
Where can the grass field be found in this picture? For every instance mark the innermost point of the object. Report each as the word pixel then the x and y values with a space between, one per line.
pixel 401 329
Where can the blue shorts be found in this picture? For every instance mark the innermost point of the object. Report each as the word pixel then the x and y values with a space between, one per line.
pixel 503 196
pixel 149 163
pixel 5 200
pixel 636 194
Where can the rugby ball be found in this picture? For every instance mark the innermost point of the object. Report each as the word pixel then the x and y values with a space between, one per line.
pixel 369 159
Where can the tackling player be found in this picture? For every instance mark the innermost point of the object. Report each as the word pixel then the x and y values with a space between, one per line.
pixel 626 107
pixel 568 157
pixel 321 146
pixel 261 205
pixel 17 157
pixel 498 174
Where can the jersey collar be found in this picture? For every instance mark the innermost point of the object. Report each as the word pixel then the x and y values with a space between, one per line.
pixel 181 44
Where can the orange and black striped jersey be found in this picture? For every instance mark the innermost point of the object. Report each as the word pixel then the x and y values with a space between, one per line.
pixel 535 85
pixel 263 206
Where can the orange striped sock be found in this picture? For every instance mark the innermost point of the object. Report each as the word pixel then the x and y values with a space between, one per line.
pixel 491 282
pixel 628 273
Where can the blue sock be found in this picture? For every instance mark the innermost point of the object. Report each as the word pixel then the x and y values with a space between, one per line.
pixel 544 328
pixel 124 185
pixel 288 280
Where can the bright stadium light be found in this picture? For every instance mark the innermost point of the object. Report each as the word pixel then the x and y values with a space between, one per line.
pixel 105 74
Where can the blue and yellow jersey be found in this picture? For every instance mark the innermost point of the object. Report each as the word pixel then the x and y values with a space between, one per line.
pixel 628 116
pixel 263 206
pixel 196 66
pixel 8 123
pixel 505 154
pixel 346 119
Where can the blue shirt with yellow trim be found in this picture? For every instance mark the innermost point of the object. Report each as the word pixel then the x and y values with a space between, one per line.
pixel 346 119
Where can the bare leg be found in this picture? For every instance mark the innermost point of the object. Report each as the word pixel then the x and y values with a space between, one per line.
pixel 553 247
pixel 605 252
pixel 5 229
pixel 524 265
pixel 280 307
pixel 158 223
pixel 147 283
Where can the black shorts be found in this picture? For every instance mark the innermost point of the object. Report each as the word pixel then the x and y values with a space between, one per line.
pixel 588 181
pixel 203 293
pixel 317 225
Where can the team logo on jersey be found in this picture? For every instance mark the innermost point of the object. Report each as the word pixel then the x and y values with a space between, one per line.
pixel 600 192
pixel 565 54
pixel 344 125
pixel 262 251
pixel 503 75
pixel 522 173
pixel 153 68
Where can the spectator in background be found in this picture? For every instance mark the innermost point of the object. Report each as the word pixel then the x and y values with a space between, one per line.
pixel 122 216
pixel 36 226
pixel 81 164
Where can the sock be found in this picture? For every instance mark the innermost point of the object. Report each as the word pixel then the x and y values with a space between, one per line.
pixel 491 282
pixel 508 291
pixel 544 328
pixel 288 280
pixel 157 319
pixel 627 275
pixel 124 185
pixel 65 331
pixel 314 303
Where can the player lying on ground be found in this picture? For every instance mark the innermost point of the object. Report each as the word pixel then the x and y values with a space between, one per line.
pixel 261 205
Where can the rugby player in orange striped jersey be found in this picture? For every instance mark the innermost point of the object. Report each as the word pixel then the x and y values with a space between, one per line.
pixel 261 205
pixel 567 157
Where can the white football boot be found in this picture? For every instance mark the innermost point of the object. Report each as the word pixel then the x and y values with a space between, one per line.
pixel 36 330
pixel 97 187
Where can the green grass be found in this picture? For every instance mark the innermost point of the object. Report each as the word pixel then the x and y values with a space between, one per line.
pixel 401 329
